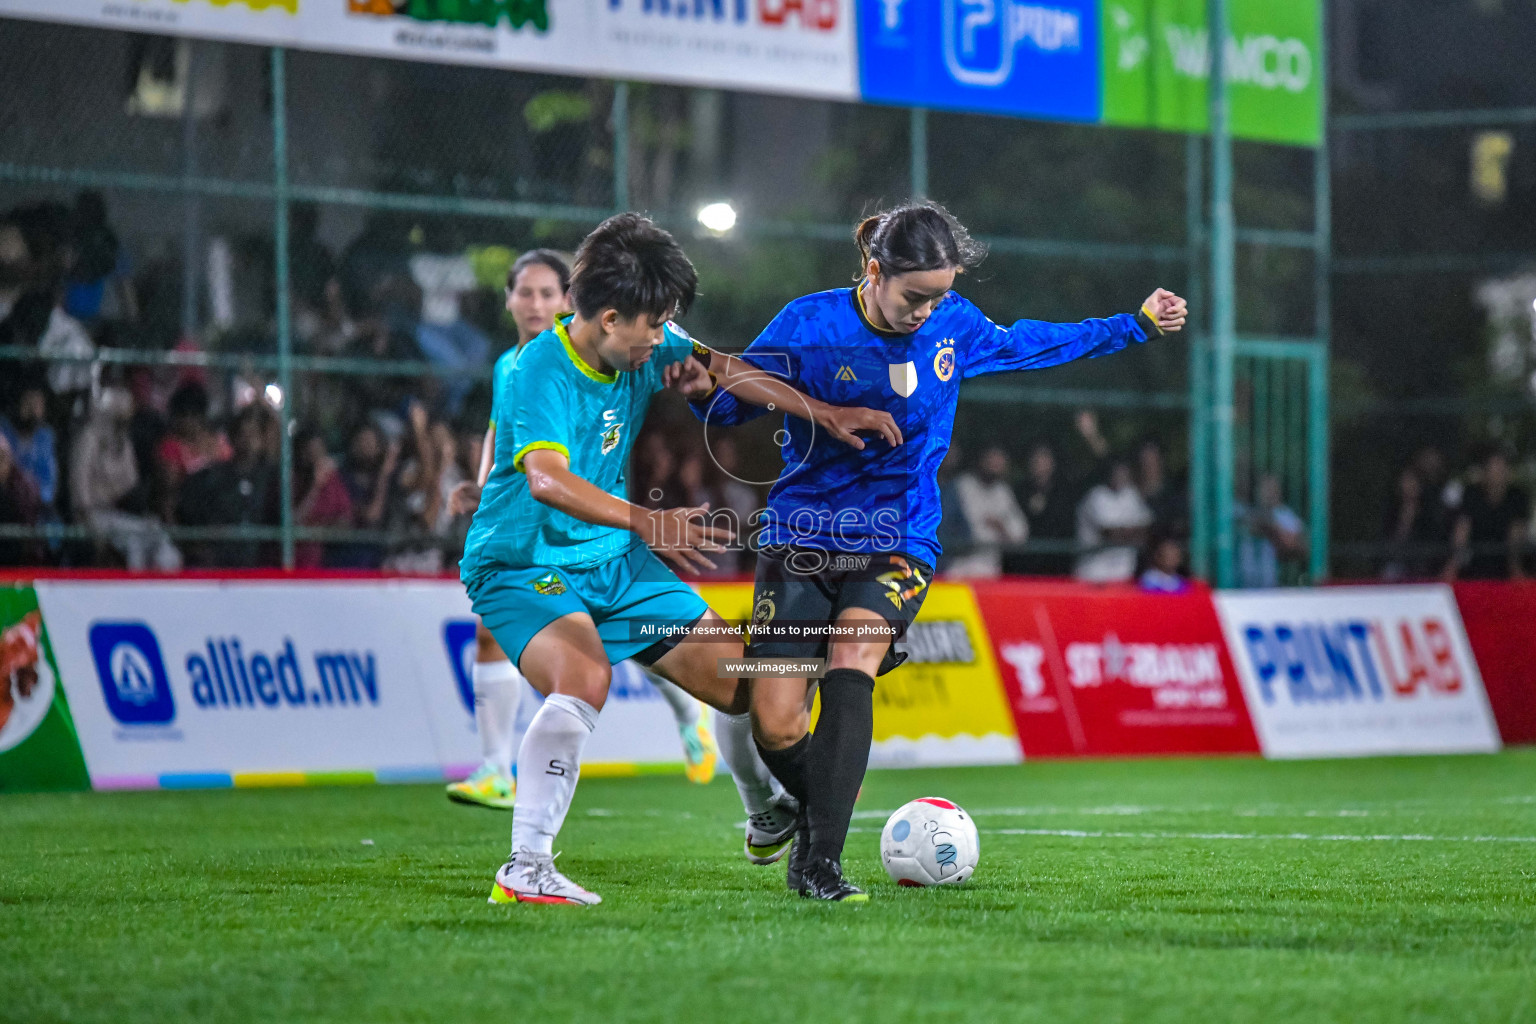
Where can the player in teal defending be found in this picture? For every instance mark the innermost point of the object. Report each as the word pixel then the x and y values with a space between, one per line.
pixel 560 567
pixel 537 287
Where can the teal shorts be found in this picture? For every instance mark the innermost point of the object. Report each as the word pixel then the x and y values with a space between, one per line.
pixel 635 600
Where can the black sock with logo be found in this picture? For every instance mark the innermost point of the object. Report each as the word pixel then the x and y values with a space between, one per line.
pixel 788 766
pixel 839 756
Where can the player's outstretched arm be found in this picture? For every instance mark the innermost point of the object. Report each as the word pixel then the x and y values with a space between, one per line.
pixel 680 535
pixel 755 386
pixel 1036 344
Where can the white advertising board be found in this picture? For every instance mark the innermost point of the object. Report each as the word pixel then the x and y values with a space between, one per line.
pixel 205 682
pixel 801 47
pixel 1354 671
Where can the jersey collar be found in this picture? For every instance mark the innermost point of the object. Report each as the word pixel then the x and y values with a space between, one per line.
pixel 857 294
pixel 564 335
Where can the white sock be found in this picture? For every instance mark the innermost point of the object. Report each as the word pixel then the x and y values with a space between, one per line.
pixel 548 765
pixel 684 708
pixel 754 781
pixel 498 691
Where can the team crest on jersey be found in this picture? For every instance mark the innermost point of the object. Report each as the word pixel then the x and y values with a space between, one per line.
pixel 611 437
pixel 610 430
pixel 904 378
pixel 764 610
pixel 944 362
pixel 549 584
pixel 845 373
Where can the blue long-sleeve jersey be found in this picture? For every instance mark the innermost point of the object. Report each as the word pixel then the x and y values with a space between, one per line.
pixel 884 499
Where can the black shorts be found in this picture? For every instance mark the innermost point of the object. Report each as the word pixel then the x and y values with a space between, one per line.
pixel 801 591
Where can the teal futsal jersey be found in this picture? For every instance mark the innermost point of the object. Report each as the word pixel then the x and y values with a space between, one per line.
pixel 551 399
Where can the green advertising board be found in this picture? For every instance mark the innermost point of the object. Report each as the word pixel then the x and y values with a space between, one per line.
pixel 39 749
pixel 1156 63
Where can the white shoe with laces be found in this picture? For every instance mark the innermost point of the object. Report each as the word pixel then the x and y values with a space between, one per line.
pixel 531 878
pixel 770 832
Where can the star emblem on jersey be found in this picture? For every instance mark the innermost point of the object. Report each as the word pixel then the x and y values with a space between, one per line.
pixel 611 437
pixel 845 373
pixel 550 584
pixel 944 363
pixel 904 378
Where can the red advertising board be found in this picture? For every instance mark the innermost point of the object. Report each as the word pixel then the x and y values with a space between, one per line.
pixel 1114 671
pixel 1500 619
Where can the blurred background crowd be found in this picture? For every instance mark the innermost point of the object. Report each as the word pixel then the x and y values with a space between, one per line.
pixel 146 461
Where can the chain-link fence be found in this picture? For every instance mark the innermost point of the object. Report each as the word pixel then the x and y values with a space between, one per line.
pixel 274 279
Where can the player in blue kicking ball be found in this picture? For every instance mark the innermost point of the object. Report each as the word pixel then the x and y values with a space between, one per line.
pixel 560 567
pixel 851 536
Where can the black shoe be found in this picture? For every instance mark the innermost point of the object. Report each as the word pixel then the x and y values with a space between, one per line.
pixel 824 881
pixel 794 876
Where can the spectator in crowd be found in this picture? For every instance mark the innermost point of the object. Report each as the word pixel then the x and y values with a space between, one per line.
pixel 448 528
pixel 1492 527
pixel 698 486
pixel 1441 495
pixel 19 506
pixel 192 445
pixel 1164 572
pixel 1168 502
pixel 1412 528
pixel 32 441
pixel 415 498
pixel 1270 535
pixel 1086 456
pixel 368 475
pixel 655 475
pixel 320 496
pixel 98 284
pixel 1112 522
pixel 438 324
pixel 15 266
pixel 992 516
pixel 1052 515
pixel 954 533
pixel 739 497
pixel 242 491
pixel 104 487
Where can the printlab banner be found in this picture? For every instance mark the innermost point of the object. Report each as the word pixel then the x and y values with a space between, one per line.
pixel 805 47
pixel 1354 671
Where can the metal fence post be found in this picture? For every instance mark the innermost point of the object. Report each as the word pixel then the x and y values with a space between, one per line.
pixel 919 155
pixel 620 146
pixel 1322 269
pixel 1223 302
pixel 1199 361
pixel 284 321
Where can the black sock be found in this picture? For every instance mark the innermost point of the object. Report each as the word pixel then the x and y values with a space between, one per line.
pixel 838 757
pixel 788 765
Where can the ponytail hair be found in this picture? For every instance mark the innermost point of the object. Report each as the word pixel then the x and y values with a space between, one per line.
pixel 917 236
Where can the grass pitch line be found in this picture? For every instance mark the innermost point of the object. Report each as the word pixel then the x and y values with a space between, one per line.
pixel 1075 833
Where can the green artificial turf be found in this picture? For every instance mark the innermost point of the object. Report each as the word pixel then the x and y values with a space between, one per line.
pixel 1141 891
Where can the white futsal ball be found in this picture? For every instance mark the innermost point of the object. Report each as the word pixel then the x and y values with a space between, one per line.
pixel 930 841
